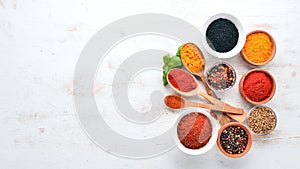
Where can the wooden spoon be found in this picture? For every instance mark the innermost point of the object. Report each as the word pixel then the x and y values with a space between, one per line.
pixel 182 102
pixel 197 91
pixel 192 49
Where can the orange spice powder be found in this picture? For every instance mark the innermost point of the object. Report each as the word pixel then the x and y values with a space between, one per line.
pixel 258 47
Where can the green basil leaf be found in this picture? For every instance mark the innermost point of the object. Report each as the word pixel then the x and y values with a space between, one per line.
pixel 175 62
pixel 178 51
pixel 166 58
pixel 170 63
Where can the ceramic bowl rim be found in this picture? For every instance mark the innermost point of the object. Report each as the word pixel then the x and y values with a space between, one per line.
pixel 256 106
pixel 241 40
pixel 232 68
pixel 249 144
pixel 274 48
pixel 242 83
pixel 212 140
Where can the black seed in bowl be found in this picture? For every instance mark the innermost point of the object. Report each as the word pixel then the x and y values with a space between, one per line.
pixel 222 35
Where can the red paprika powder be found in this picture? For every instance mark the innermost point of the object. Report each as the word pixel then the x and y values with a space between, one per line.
pixel 174 101
pixel 194 130
pixel 257 86
pixel 181 80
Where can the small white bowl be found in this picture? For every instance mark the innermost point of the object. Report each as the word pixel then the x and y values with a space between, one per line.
pixel 241 41
pixel 234 74
pixel 212 141
pixel 257 106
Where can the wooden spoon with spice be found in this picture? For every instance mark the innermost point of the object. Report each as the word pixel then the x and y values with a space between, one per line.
pixel 177 102
pixel 186 84
pixel 194 61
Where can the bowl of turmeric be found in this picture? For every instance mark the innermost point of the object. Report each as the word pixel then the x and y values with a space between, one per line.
pixel 259 48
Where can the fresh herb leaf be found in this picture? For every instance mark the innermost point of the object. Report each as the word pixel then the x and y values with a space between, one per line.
pixel 170 63
pixel 174 62
pixel 166 58
pixel 178 51
pixel 165 78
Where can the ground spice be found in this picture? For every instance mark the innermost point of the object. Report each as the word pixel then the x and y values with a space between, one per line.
pixel 258 47
pixel 192 57
pixel 234 140
pixel 222 35
pixel 174 101
pixel 257 86
pixel 181 80
pixel 221 76
pixel 262 120
pixel 194 130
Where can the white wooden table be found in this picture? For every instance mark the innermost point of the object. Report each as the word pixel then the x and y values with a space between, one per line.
pixel 40 42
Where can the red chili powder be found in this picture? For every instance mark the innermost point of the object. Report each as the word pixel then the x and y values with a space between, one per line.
pixel 194 130
pixel 181 80
pixel 257 86
pixel 174 102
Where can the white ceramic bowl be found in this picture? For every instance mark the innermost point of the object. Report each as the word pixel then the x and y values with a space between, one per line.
pixel 221 90
pixel 241 41
pixel 255 108
pixel 212 141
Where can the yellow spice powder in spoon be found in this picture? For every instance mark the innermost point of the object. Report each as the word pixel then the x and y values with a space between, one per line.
pixel 192 57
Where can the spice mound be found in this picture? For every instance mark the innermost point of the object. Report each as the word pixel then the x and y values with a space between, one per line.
pixel 192 57
pixel 222 35
pixel 258 47
pixel 258 86
pixel 194 130
pixel 262 120
pixel 221 76
pixel 174 101
pixel 181 80
pixel 234 140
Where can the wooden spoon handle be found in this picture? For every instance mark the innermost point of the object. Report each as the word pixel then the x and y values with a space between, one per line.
pixel 239 118
pixel 226 108
pixel 207 88
pixel 221 106
pixel 201 105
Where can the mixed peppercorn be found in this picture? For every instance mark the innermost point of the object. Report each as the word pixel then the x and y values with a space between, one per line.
pixel 221 76
pixel 234 140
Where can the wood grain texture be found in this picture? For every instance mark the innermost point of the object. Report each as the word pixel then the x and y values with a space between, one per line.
pixel 40 42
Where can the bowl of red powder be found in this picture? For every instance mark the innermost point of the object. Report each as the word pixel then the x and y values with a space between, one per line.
pixel 257 86
pixel 196 131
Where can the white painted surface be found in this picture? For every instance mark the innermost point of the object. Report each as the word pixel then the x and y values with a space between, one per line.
pixel 40 42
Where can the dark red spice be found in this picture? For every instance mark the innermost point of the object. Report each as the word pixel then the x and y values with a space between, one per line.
pixel 257 86
pixel 194 130
pixel 181 80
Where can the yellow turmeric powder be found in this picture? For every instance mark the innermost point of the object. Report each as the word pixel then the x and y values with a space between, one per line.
pixel 192 57
pixel 258 47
